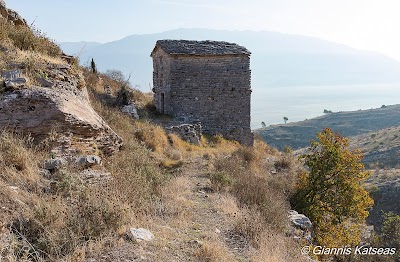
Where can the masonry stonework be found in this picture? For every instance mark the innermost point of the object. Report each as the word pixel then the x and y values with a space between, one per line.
pixel 205 81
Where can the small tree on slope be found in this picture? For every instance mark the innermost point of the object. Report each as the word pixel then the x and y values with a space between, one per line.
pixel 331 193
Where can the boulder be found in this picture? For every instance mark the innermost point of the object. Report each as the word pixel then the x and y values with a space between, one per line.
pixel 88 161
pixel 189 132
pixel 13 79
pixel 299 220
pixel 54 164
pixel 139 234
pixel 300 227
pixel 15 83
pixel 130 110
pixel 64 108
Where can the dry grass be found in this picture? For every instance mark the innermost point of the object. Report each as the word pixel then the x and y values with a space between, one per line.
pixel 277 248
pixel 176 198
pixel 73 218
pixel 260 199
pixel 18 162
pixel 226 203
pixel 25 38
pixel 213 250
pixel 271 244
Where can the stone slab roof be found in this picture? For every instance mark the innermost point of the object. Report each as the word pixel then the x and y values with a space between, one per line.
pixel 190 47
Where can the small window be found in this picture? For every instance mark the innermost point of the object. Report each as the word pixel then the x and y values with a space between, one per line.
pixel 161 80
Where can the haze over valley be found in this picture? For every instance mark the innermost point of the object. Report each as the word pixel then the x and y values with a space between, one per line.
pixel 292 75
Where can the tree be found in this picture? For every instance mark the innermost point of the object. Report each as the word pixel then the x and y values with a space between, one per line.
pixel 116 75
pixel 331 193
pixel 285 119
pixel 263 125
pixel 391 230
pixel 93 66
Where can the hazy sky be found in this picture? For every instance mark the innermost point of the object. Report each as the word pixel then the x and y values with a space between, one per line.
pixel 364 24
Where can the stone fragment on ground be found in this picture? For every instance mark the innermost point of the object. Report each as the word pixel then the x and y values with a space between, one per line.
pixel 139 234
pixel 299 220
pixel 54 164
pixel 87 161
pixel 191 133
pixel 300 225
pixel 44 82
pixel 95 177
pixel 13 79
pixel 130 110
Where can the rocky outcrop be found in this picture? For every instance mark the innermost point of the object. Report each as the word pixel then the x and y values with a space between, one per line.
pixel 62 107
pixel 15 18
pixel 87 161
pixel 54 164
pixel 13 80
pixel 130 110
pixel 95 177
pixel 11 15
pixel 300 225
pixel 189 132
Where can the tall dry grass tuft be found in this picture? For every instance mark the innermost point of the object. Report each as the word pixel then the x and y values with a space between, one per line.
pixel 212 249
pixel 26 38
pixel 275 247
pixel 262 197
pixel 176 198
pixel 18 160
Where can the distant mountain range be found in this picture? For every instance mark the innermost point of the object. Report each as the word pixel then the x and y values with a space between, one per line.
pixel 277 59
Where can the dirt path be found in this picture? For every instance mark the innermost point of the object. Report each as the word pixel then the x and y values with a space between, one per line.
pixel 202 229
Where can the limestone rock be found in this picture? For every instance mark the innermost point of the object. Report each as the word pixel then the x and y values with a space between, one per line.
pixel 64 108
pixel 88 161
pixel 14 79
pixel 44 82
pixel 130 110
pixel 11 74
pixel 95 177
pixel 300 226
pixel 16 18
pixel 54 164
pixel 11 15
pixel 140 234
pixel 299 220
pixel 15 83
pixel 189 132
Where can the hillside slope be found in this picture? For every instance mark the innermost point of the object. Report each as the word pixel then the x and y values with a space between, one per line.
pixel 381 148
pixel 298 134
pixel 63 197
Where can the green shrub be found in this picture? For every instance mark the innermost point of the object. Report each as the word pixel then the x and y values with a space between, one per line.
pixel 220 181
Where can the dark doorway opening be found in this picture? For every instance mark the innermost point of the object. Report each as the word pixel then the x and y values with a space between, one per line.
pixel 162 103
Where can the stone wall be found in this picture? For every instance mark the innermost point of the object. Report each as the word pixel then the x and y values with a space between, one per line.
pixel 162 82
pixel 214 90
pixel 191 133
